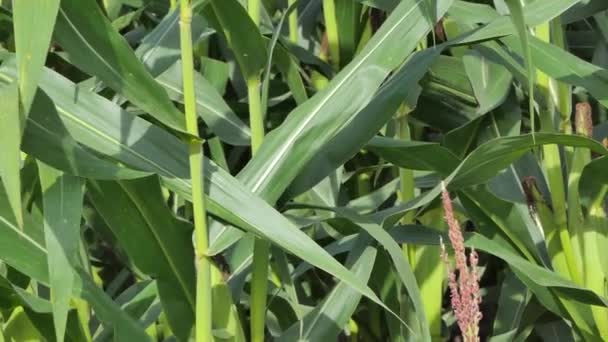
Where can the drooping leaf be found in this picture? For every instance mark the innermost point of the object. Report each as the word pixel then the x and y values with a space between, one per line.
pixel 33 21
pixel 485 162
pixel 496 154
pixel 491 82
pixel 62 200
pixel 326 320
pixel 159 244
pixel 536 13
pixel 47 137
pixel 402 266
pixel 242 34
pixel 287 149
pixel 481 164
pixel 567 68
pixel 542 276
pixel 159 49
pixel 210 106
pixel 517 16
pixel 10 140
pixel 514 297
pixel 95 47
pixel 25 251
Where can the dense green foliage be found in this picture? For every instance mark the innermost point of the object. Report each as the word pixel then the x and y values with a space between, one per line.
pixel 272 169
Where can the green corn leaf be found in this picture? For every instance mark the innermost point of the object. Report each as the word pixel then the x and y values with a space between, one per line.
pixel 33 21
pixel 542 276
pixel 158 243
pixel 402 266
pixel 62 200
pixel 287 149
pixel 242 34
pixel 326 320
pixel 491 82
pixel 481 164
pixel 210 106
pixel 517 16
pixel 485 162
pixel 10 140
pixel 94 46
pixel 26 252
pixel 159 49
pixel 567 68
pixel 514 297
pixel 151 149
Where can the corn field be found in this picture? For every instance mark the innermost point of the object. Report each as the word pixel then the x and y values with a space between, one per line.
pixel 303 170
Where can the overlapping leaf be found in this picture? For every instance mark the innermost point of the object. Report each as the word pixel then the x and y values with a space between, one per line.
pixel 95 47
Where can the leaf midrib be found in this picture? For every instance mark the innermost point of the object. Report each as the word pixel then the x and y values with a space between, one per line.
pixel 153 47
pixel 285 147
pixel 64 112
pixel 22 234
pixel 162 246
pixel 86 42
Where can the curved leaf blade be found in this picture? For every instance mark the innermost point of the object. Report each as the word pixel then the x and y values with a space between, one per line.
pixel 10 140
pixel 96 48
pixel 210 106
pixel 138 143
pixel 33 21
pixel 242 34
pixel 326 320
pixel 62 201
pixel 29 255
pixel 159 244
pixel 287 149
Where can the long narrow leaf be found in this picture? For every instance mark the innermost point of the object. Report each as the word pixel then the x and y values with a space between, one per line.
pixel 34 21
pixel 159 244
pixel 137 143
pixel 95 47
pixel 62 201
pixel 10 140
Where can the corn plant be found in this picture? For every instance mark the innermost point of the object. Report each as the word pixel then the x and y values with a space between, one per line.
pixel 303 170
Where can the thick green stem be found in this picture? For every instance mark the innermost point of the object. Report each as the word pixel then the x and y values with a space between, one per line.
pixel 203 331
pixel 256 115
pixel 331 27
pixel 594 276
pixel 425 260
pixel 430 272
pixel 172 4
pixel 558 200
pixel 406 186
pixel 542 215
pixel 293 23
pixel 261 248
pixel 553 166
pixel 406 176
pixel 259 288
pixel 580 158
